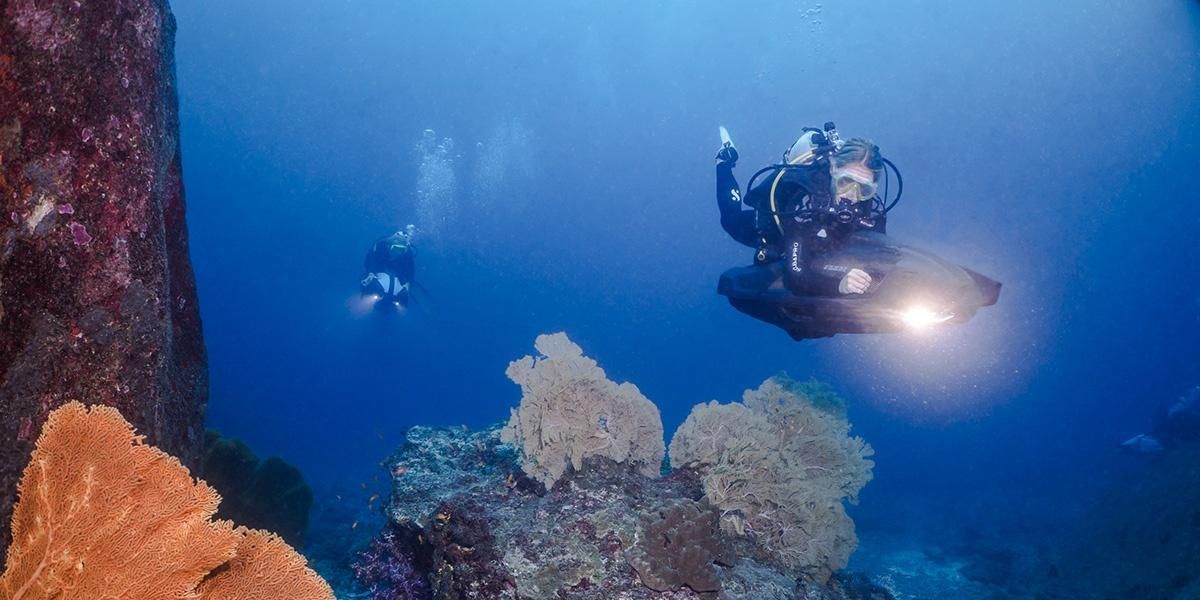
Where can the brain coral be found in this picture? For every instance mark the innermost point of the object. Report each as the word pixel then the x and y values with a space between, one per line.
pixel 570 410
pixel 779 468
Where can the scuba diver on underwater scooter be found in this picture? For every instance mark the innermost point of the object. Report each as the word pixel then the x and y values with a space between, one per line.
pixel 822 264
pixel 388 271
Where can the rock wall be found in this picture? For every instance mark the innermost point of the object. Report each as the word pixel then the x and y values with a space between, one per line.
pixel 97 296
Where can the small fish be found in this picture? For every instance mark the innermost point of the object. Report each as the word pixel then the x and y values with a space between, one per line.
pixel 364 485
pixel 354 525
pixel 373 498
pixel 338 496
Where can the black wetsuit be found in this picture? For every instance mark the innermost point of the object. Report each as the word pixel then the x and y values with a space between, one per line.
pixel 395 256
pixel 803 199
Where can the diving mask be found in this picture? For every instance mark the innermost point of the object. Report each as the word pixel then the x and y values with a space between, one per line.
pixel 855 182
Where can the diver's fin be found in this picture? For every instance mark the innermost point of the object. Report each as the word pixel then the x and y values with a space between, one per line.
pixel 726 141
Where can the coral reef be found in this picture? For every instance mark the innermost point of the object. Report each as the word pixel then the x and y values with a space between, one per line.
pixel 779 468
pixel 678 547
pixel 341 527
pixel 569 542
pixel 465 555
pixel 497 538
pixel 102 515
pixel 430 457
pixel 580 510
pixel 97 296
pixel 571 411
pixel 264 494
pixel 386 568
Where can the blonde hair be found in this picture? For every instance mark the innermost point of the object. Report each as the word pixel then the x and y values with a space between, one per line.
pixel 859 150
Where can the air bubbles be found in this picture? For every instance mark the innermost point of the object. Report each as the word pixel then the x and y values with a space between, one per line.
pixel 505 166
pixel 812 14
pixel 436 204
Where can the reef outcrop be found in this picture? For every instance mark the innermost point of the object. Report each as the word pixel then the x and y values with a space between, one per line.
pixel 97 296
pixel 473 520
pixel 594 535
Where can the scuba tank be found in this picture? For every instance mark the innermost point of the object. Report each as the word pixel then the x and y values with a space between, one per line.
pixel 812 145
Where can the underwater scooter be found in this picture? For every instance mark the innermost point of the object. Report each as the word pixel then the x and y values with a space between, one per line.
pixel 384 292
pixel 910 289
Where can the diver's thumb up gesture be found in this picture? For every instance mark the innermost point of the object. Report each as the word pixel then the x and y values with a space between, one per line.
pixel 856 281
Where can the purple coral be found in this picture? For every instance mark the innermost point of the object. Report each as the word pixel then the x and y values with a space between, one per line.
pixel 386 569
pixel 80 234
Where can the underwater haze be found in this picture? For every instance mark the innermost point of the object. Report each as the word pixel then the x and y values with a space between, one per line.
pixel 557 159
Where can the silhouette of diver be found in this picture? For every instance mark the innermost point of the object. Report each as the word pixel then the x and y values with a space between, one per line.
pixel 389 269
pixel 1173 425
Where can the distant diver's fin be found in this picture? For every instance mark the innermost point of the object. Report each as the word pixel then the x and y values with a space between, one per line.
pixel 726 141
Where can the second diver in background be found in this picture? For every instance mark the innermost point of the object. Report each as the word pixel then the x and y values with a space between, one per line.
pixel 390 266
pixel 1174 425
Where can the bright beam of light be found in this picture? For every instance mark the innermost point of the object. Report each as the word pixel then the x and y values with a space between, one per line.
pixel 920 318
pixel 361 306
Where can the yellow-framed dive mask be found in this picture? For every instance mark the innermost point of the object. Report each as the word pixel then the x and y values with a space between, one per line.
pixel 854 182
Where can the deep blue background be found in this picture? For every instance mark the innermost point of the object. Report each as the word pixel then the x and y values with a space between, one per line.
pixel 1051 147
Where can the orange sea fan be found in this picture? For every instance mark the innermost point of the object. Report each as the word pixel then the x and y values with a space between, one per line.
pixel 101 515
pixel 265 566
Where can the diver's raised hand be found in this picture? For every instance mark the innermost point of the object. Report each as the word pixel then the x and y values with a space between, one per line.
pixel 727 155
pixel 856 281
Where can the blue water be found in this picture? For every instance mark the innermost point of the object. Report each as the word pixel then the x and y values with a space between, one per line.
pixel 1052 146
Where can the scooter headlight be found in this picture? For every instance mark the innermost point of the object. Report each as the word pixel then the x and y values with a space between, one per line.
pixel 918 317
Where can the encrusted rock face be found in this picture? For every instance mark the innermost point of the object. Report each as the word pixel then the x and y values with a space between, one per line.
pixel 436 464
pixel 597 534
pixel 97 297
